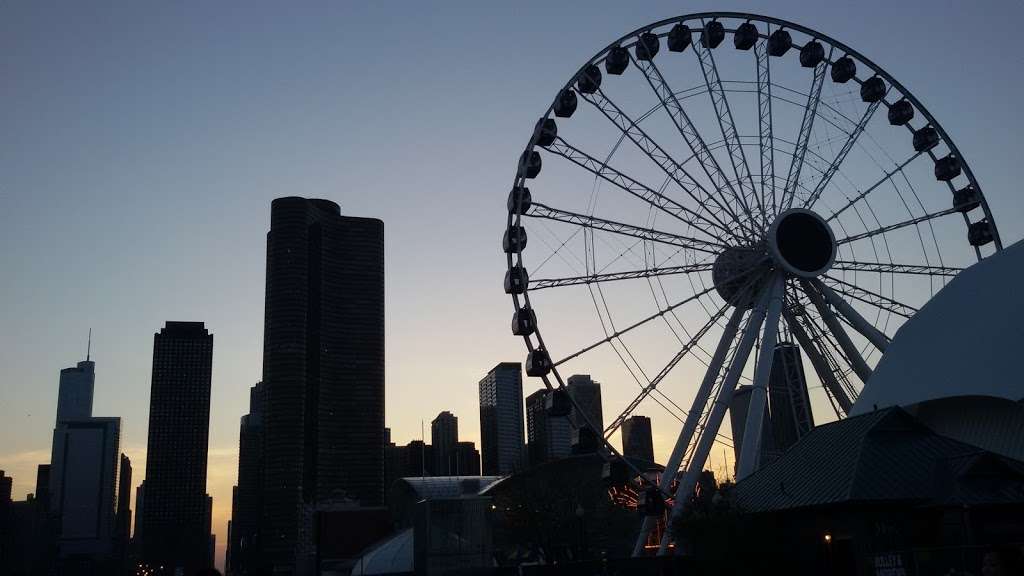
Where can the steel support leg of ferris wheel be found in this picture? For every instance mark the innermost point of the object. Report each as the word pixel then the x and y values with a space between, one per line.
pixel 750 451
pixel 692 419
pixel 839 333
pixel 858 322
pixel 714 421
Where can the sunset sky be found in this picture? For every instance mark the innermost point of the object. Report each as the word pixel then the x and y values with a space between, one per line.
pixel 142 143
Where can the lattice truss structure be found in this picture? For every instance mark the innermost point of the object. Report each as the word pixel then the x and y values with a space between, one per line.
pixel 706 188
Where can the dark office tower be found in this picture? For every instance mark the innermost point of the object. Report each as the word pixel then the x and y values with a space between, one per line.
pixel 243 542
pixel 211 539
pixel 587 395
pixel 74 396
pixel 140 498
pixel 175 525
pixel 74 402
pixel 323 369
pixel 6 486
pixel 419 459
pixel 444 435
pixel 394 462
pixel 637 442
pixel 501 419
pixel 788 401
pixel 738 408
pixel 84 488
pixel 43 486
pixel 548 437
pixel 465 460
pixel 123 516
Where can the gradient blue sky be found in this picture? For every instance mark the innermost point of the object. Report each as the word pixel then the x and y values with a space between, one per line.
pixel 142 143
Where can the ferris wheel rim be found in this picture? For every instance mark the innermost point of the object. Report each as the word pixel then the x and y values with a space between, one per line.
pixel 630 40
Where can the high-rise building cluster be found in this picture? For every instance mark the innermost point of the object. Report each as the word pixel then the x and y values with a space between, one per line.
pixel 551 436
pixel 79 519
pixel 314 455
pixel 445 455
pixel 312 444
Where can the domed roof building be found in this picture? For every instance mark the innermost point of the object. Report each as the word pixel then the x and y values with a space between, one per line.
pixel 956 365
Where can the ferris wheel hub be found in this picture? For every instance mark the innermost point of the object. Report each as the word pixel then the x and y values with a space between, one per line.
pixel 738 274
pixel 801 243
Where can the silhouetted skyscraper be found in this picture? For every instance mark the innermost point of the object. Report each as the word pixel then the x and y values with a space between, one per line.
pixel 137 534
pixel 175 516
pixel 587 395
pixel 394 462
pixel 83 472
pixel 419 459
pixel 243 542
pixel 466 460
pixel 123 516
pixel 501 419
pixel 323 370
pixel 637 441
pixel 548 437
pixel 444 435
pixel 74 397
pixel 6 486
pixel 84 488
pixel 43 486
pixel 739 405
pixel 74 402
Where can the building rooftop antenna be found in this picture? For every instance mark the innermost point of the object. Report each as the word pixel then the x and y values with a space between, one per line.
pixel 88 348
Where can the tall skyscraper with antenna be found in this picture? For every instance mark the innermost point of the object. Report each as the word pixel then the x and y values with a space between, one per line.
pixel 75 392
pixel 83 472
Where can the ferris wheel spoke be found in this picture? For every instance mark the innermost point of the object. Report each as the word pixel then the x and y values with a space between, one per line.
pixel 538 210
pixel 697 145
pixel 751 448
pixel 870 189
pixel 898 225
pixel 835 327
pixel 634 326
pixel 603 170
pixel 544 283
pixel 766 140
pixel 834 356
pixel 833 167
pixel 895 268
pixel 806 128
pixel 661 158
pixel 664 372
pixel 821 366
pixel 730 135
pixel 872 298
pixel 718 410
pixel 853 318
pixel 700 401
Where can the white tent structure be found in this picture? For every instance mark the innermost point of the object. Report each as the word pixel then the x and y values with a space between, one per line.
pixel 968 340
pixel 956 365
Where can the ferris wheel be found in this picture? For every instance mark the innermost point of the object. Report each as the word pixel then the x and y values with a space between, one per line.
pixel 715 186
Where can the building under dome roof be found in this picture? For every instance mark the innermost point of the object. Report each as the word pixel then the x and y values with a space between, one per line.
pixel 405 493
pixel 995 424
pixel 393 556
pixel 877 493
pixel 966 341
